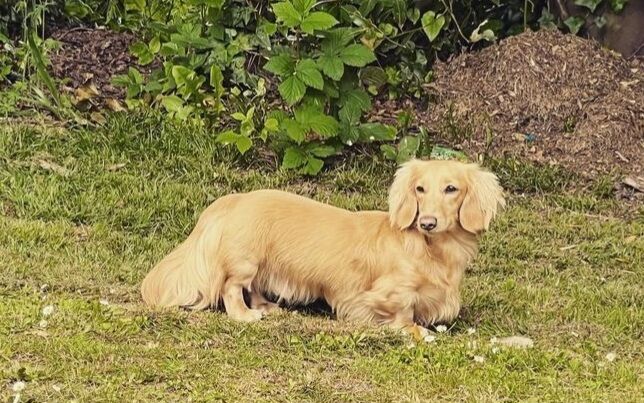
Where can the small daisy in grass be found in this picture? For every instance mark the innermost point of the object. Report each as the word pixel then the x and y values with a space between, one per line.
pixel 48 310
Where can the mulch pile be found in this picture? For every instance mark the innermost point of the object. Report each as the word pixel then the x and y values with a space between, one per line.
pixel 547 97
pixel 91 57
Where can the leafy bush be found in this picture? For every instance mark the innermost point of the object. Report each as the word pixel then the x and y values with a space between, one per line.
pixel 297 75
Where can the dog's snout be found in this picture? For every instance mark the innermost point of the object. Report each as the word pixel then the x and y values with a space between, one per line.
pixel 428 223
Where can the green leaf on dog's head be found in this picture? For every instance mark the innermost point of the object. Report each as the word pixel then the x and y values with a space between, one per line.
pixel 317 21
pixel 307 71
pixel 357 55
pixel 286 13
pixel 292 90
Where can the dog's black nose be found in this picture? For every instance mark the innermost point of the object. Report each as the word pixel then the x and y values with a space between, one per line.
pixel 428 223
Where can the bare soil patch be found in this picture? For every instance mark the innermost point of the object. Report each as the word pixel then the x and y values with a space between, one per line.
pixel 546 97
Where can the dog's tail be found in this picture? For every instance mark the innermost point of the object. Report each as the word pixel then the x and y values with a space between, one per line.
pixel 191 275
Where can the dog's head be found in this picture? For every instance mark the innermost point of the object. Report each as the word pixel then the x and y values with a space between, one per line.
pixel 438 196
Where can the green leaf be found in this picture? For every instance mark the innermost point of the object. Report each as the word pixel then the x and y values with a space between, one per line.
pixel 574 24
pixel 432 24
pixel 332 66
pixel 293 158
pixel 443 153
pixel 336 39
pixel 217 80
pixel 399 9
pixel 271 124
pixel 292 90
pixel 41 69
pixel 373 75
pixel 357 55
pixel 155 45
pixel 243 144
pixel 76 8
pixel 286 13
pixel 589 4
pixel 172 103
pixel 318 20
pixel 227 137
pixel 313 166
pixel 322 151
pixel 377 131
pixel 324 125
pixel 181 74
pixel 303 6
pixel 294 130
pixel 618 5
pixel 413 14
pixel 281 64
pixel 358 98
pixel 238 116
pixel 135 5
pixel 407 148
pixel 307 71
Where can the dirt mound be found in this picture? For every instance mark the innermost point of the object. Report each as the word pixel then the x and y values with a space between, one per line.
pixel 548 97
pixel 93 56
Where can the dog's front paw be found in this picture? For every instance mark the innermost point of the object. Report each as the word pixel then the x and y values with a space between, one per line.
pixel 417 332
pixel 250 315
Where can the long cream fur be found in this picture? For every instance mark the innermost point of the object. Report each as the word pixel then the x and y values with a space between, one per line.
pixel 369 266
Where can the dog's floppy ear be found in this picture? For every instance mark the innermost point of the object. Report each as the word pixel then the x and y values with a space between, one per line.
pixel 402 199
pixel 483 198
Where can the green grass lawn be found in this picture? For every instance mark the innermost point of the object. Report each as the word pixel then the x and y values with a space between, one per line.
pixel 79 230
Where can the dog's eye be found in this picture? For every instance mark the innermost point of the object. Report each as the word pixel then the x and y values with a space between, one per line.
pixel 450 189
pixel 420 189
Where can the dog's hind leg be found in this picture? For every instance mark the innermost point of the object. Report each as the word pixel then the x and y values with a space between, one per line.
pixel 258 301
pixel 240 277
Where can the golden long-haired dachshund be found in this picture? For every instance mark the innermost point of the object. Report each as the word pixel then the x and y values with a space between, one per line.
pixel 401 268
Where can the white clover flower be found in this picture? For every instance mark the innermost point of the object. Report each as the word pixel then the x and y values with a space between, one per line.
pixel 441 328
pixel 43 323
pixel 48 310
pixel 495 350
pixel 471 330
pixel 18 386
pixel 610 357
pixel 430 338
pixel 372 138
pixel 349 143
pixel 479 358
